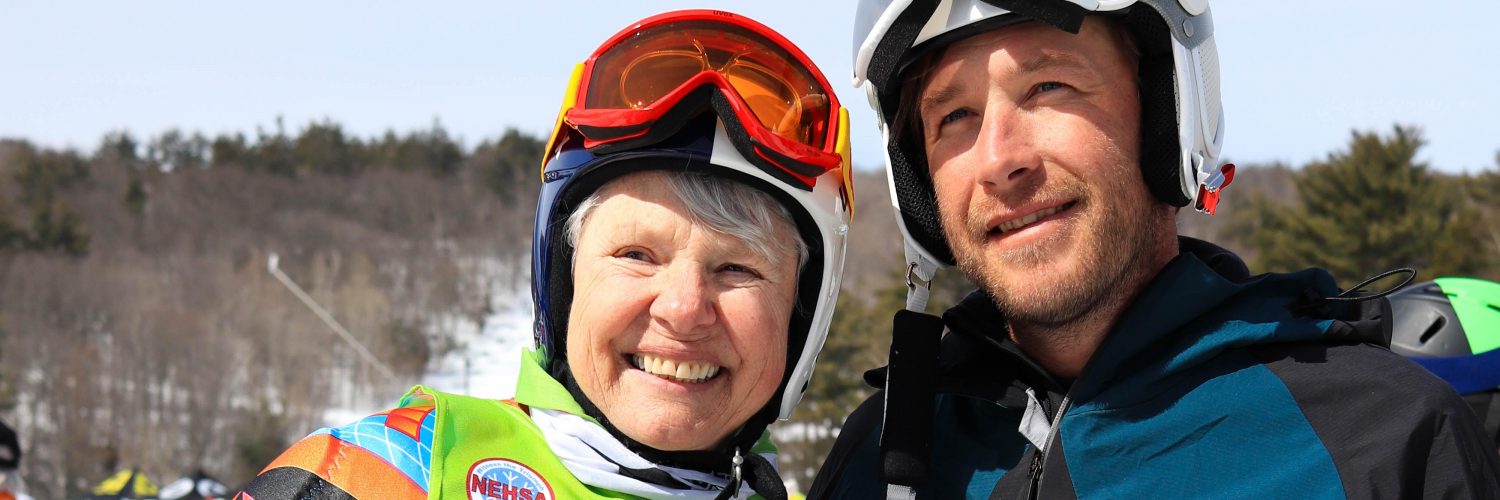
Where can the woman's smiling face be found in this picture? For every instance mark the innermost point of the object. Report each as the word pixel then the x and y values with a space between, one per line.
pixel 677 333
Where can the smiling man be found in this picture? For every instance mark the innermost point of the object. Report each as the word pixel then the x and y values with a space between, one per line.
pixel 1047 190
pixel 1045 147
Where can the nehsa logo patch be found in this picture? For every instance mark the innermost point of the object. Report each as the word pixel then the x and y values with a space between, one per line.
pixel 501 479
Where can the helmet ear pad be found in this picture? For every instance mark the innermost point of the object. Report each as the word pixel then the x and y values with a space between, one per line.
pixel 1161 150
pixel 918 199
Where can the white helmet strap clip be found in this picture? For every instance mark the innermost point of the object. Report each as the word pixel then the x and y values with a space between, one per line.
pixel 919 273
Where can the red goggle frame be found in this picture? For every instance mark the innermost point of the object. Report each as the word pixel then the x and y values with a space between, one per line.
pixel 784 110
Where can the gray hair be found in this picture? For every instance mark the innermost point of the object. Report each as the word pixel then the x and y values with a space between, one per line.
pixel 723 206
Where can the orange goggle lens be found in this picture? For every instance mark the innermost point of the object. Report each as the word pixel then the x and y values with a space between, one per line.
pixel 785 98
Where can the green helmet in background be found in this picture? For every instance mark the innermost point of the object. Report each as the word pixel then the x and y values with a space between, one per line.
pixel 1451 326
pixel 1447 317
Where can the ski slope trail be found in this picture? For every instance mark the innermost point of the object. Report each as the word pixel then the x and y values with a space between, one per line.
pixel 483 364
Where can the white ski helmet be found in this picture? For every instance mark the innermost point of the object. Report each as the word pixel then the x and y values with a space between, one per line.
pixel 1182 121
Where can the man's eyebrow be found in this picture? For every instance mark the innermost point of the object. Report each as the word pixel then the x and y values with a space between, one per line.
pixel 1044 61
pixel 938 97
pixel 1049 60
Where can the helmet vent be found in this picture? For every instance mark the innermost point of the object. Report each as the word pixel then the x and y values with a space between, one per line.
pixel 1433 329
pixel 1208 84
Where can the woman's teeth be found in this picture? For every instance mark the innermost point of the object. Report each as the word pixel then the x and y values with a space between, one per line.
pixel 680 371
pixel 1015 224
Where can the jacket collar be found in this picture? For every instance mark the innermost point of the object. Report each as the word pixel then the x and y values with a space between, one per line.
pixel 536 388
pixel 1193 311
pixel 1202 303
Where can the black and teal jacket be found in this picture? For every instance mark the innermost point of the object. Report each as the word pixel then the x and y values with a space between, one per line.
pixel 1213 384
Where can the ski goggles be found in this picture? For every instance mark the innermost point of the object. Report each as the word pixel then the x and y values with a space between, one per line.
pixel 644 83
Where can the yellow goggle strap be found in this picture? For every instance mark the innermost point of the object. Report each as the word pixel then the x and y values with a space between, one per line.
pixel 569 99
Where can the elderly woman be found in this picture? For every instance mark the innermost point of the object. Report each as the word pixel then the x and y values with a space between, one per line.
pixel 687 250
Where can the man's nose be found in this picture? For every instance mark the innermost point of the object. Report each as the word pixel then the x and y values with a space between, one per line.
pixel 684 302
pixel 1006 149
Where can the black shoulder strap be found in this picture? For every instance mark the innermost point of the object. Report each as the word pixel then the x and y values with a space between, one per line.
pixel 906 432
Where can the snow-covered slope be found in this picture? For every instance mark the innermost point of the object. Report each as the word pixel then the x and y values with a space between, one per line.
pixel 486 362
pixel 484 365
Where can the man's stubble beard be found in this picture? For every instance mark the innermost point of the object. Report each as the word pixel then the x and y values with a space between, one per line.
pixel 1109 242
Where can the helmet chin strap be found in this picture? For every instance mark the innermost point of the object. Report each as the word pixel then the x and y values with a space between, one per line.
pixel 919 273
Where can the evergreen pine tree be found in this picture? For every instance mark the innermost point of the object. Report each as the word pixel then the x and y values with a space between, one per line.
pixel 118 146
pixel 55 226
pixel 1484 192
pixel 227 149
pixel 1368 209
pixel 10 235
pixel 509 166
pixel 322 148
pixel 135 195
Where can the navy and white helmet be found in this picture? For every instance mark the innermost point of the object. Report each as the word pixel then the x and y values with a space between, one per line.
pixel 1182 119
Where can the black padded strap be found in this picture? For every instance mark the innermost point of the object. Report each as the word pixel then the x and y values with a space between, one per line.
pixel 1065 16
pixel 911 379
pixel 886 60
pixel 763 477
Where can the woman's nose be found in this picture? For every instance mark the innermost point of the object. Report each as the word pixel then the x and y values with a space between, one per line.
pixel 684 303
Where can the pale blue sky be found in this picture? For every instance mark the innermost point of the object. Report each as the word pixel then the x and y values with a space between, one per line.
pixel 1297 75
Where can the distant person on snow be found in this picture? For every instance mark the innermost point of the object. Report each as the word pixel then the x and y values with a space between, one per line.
pixel 686 259
pixel 11 487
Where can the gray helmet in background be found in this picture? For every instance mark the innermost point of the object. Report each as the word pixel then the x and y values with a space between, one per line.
pixel 1451 326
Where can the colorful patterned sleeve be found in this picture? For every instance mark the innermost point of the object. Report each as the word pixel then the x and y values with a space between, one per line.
pixel 387 455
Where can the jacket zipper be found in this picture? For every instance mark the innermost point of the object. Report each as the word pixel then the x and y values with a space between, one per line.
pixel 1039 459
